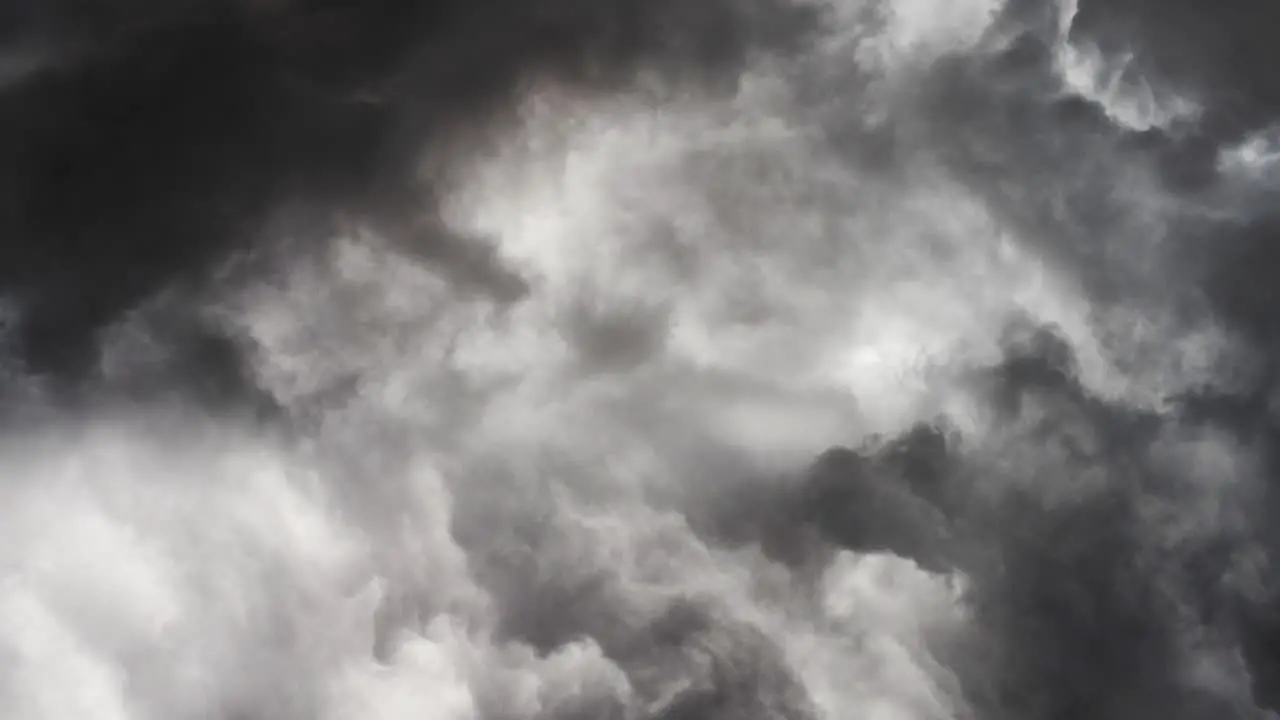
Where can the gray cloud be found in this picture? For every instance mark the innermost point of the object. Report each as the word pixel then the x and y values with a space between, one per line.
pixel 636 360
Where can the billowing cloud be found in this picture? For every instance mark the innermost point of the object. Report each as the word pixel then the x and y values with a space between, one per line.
pixel 636 360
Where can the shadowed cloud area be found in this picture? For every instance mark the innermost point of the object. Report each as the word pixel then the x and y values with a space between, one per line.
pixel 648 360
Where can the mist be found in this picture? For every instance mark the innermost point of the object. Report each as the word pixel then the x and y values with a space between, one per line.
pixel 649 360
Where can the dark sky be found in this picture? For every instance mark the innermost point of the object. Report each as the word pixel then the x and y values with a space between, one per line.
pixel 146 145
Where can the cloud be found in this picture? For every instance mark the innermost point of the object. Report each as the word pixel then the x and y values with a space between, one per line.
pixel 634 360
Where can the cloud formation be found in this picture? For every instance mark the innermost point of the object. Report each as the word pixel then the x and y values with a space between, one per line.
pixel 638 360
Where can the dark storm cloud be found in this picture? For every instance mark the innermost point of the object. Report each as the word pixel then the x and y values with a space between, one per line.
pixel 159 136
pixel 156 140
pixel 1220 54
pixel 1088 617
pixel 1058 166
pixel 1088 614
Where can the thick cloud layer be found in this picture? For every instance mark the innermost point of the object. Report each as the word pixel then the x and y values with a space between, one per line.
pixel 646 360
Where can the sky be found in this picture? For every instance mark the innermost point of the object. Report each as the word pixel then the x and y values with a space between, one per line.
pixel 638 359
